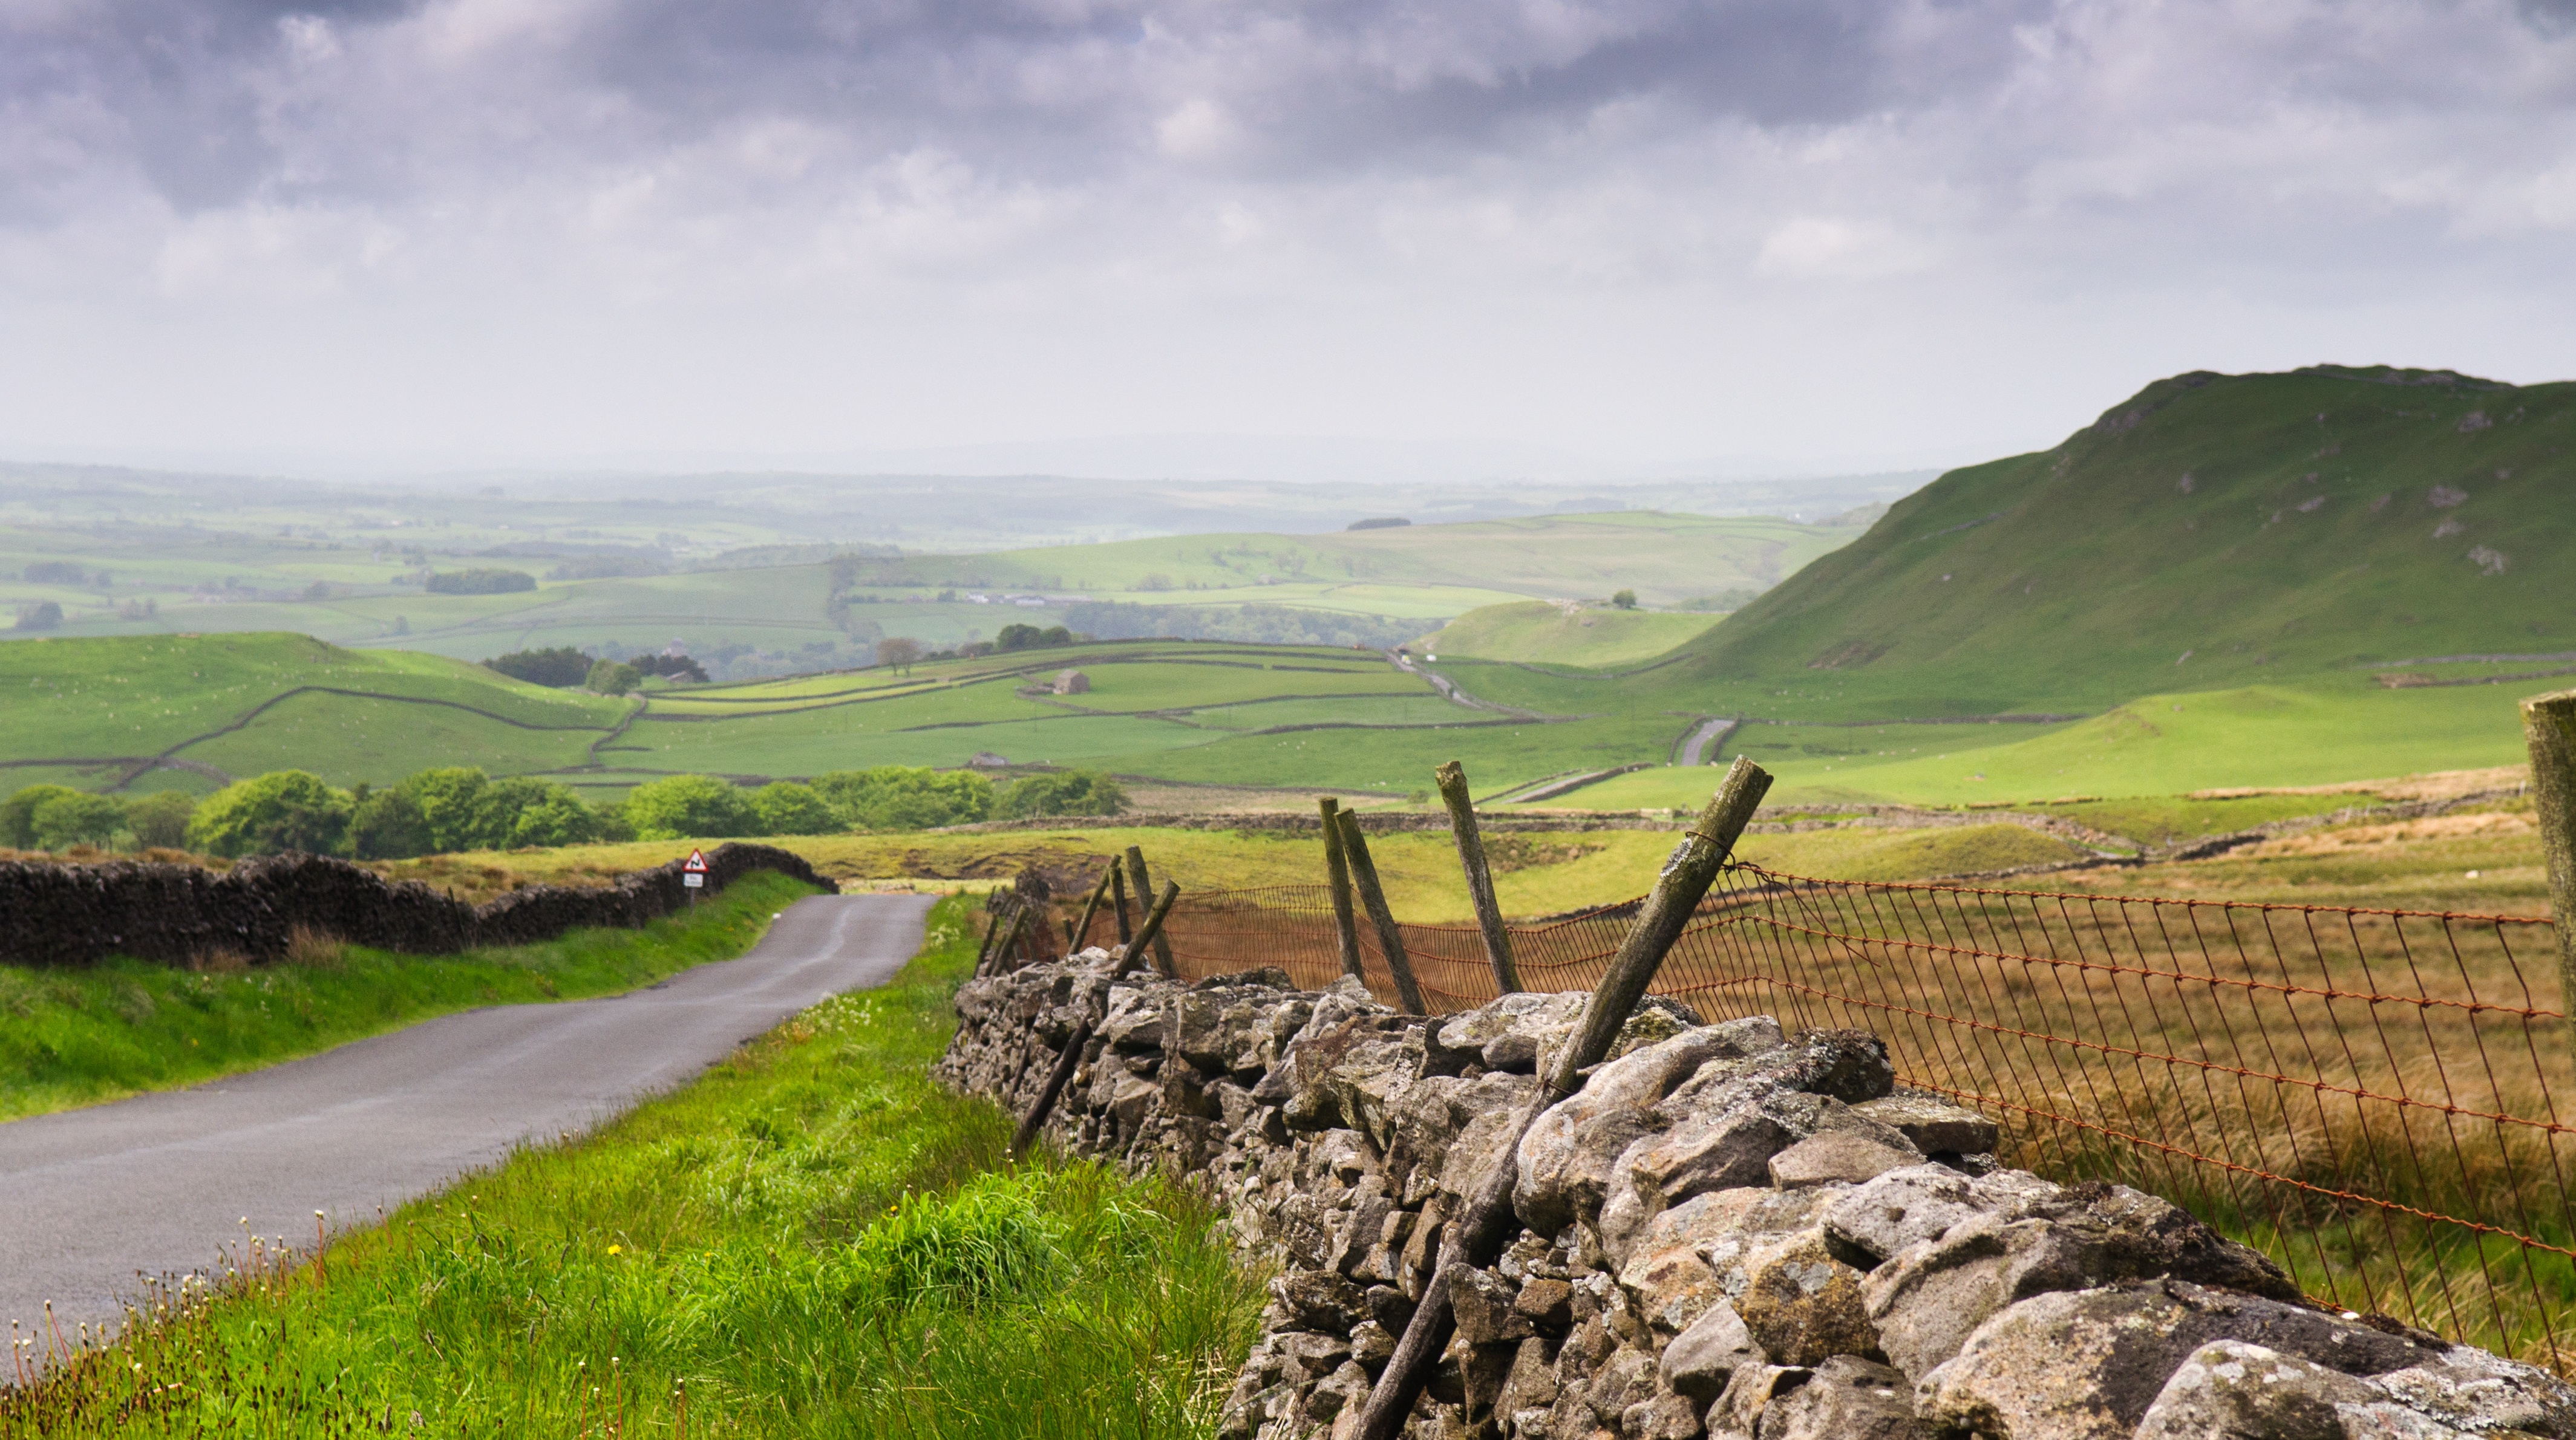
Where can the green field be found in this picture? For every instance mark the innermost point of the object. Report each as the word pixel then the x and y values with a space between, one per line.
pixel 2312 734
pixel 243 704
pixel 350 576
pixel 1541 633
pixel 1665 558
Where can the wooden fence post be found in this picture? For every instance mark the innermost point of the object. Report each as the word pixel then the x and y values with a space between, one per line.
pixel 1144 887
pixel 1082 928
pixel 1389 939
pixel 1148 932
pixel 1486 1220
pixel 1480 880
pixel 1346 930
pixel 1065 1065
pixel 2549 729
pixel 1118 897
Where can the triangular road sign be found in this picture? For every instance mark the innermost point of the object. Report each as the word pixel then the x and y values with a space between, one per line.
pixel 697 863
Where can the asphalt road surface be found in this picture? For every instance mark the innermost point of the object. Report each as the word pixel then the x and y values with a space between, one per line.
pixel 160 1183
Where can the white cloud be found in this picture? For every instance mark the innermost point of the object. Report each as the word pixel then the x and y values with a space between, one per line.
pixel 1810 248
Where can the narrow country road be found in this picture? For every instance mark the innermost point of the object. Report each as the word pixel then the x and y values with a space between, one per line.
pixel 160 1183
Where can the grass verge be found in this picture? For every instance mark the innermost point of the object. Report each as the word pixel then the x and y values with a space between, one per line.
pixel 76 1037
pixel 812 1240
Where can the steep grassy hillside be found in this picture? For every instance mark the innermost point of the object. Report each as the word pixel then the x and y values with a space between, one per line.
pixel 1536 631
pixel 2212 532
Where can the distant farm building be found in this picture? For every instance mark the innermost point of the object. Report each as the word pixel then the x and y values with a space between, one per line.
pixel 1072 682
pixel 986 760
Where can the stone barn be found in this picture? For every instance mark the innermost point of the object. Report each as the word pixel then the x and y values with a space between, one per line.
pixel 1072 682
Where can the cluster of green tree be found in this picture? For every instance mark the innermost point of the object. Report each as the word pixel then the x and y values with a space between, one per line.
pixel 64 572
pixel 480 581
pixel 57 817
pixel 42 615
pixel 461 808
pixel 1258 624
pixel 1031 637
pixel 563 667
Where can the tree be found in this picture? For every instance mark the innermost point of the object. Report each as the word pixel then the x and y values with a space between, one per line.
pixel 899 653
pixel 905 797
pixel 1030 637
pixel 561 668
pixel 159 820
pixel 1623 600
pixel 1066 792
pixel 481 581
pixel 43 615
pixel 388 825
pixel 523 811
pixel 18 814
pixel 448 800
pixel 686 807
pixel 63 821
pixel 613 677
pixel 268 814
pixel 787 808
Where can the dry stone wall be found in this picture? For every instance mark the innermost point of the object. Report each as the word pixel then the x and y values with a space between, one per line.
pixel 1730 1231
pixel 73 915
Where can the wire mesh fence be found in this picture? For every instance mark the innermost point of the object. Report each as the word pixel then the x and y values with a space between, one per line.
pixel 2369 1096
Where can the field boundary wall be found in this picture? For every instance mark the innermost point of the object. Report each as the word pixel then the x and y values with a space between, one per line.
pixel 63 915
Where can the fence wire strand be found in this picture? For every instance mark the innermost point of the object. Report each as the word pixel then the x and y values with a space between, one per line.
pixel 2368 1096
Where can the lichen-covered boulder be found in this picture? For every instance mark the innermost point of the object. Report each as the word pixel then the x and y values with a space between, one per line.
pixel 2076 1365
pixel 1566 1157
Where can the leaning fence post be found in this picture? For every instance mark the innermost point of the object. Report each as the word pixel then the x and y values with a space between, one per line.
pixel 1346 930
pixel 1148 932
pixel 2549 729
pixel 1477 1235
pixel 1065 1065
pixel 1082 928
pixel 1389 938
pixel 1145 887
pixel 992 928
pixel 1480 879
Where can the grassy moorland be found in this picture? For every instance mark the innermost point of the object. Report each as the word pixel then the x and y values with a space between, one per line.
pixel 812 1240
pixel 76 1037
pixel 1536 632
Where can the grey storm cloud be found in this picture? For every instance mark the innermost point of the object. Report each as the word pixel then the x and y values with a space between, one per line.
pixel 214 101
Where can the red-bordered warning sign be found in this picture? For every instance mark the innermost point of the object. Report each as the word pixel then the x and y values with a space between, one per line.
pixel 696 864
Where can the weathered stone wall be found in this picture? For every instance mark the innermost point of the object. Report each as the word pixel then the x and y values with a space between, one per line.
pixel 1728 1232
pixel 71 915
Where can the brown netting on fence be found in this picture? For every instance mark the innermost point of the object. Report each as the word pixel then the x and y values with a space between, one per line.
pixel 2369 1096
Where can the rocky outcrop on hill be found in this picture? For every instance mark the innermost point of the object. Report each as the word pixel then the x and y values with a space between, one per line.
pixel 1729 1231
pixel 55 914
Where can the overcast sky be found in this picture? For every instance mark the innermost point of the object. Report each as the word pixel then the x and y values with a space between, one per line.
pixel 1608 235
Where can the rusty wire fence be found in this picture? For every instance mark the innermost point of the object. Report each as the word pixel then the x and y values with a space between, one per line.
pixel 2369 1096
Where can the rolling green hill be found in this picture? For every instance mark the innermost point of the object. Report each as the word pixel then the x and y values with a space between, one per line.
pixel 1665 558
pixel 97 714
pixel 1540 632
pixel 2212 532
